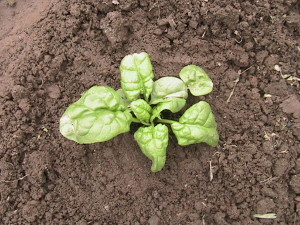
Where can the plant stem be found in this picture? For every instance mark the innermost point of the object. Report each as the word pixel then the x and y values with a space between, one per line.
pixel 135 120
pixel 166 121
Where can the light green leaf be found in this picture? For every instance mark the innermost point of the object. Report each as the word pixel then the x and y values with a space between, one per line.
pixel 197 125
pixel 153 142
pixel 136 75
pixel 142 110
pixel 167 88
pixel 124 99
pixel 98 126
pixel 101 97
pixel 196 80
pixel 173 104
pixel 97 116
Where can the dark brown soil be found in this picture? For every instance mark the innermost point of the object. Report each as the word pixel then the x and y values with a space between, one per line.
pixel 52 51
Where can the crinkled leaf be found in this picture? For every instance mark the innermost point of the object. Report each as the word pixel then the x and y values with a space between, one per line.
pixel 168 87
pixel 96 117
pixel 142 110
pixel 188 134
pixel 95 126
pixel 101 97
pixel 197 125
pixel 136 75
pixel 173 104
pixel 153 142
pixel 196 80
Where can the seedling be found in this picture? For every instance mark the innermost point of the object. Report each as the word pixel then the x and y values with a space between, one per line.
pixel 103 113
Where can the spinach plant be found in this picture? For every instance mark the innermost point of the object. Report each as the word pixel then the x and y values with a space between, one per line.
pixel 102 112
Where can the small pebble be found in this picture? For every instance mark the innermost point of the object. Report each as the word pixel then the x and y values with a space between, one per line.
pixel 54 91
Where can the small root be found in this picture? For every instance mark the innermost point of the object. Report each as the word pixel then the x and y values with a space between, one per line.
pixel 236 82
pixel 10 181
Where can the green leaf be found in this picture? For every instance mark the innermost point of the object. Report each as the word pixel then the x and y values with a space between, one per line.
pixel 142 110
pixel 166 88
pixel 173 104
pixel 101 97
pixel 136 76
pixel 196 80
pixel 97 116
pixel 197 125
pixel 98 126
pixel 124 99
pixel 153 142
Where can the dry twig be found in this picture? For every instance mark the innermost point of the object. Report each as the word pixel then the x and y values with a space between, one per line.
pixel 268 180
pixel 10 181
pixel 211 175
pixel 236 82
pixel 203 220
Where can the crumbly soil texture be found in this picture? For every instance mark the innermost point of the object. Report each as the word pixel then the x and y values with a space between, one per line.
pixel 51 51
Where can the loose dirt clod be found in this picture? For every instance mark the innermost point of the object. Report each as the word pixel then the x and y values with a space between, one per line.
pixel 291 106
pixel 295 183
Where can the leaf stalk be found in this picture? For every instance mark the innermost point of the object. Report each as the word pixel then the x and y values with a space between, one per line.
pixel 166 121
